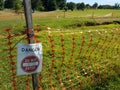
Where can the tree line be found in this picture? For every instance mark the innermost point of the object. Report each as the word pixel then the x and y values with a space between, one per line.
pixel 82 6
pixel 51 5
pixel 39 5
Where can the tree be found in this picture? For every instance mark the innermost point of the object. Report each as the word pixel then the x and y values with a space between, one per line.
pixel 37 5
pixel 71 6
pixel 51 5
pixel 87 6
pixel 65 10
pixel 95 5
pixel 105 7
pixel 44 3
pixel 9 4
pixel 80 6
pixel 116 6
pixel 17 5
pixel 13 4
pixel 33 2
pixel 1 4
pixel 61 4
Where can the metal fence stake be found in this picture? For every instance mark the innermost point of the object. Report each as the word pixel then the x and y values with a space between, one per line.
pixel 30 34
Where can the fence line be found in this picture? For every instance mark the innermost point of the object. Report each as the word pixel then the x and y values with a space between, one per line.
pixel 70 60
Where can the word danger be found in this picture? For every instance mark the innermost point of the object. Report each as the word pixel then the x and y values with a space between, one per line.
pixel 30 63
pixel 37 49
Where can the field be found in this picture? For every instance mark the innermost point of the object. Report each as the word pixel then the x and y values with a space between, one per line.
pixel 81 50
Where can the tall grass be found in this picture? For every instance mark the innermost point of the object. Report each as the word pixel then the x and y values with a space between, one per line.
pixel 100 54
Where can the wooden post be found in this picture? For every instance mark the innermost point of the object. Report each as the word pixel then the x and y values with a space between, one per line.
pixel 92 15
pixel 64 13
pixel 30 34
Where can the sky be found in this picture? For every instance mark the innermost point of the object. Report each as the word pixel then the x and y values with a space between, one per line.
pixel 100 2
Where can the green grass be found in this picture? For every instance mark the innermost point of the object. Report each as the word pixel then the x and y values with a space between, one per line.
pixel 49 19
pixel 99 58
pixel 93 13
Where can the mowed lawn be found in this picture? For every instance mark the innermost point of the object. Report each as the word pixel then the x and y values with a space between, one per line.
pixel 10 18
pixel 61 31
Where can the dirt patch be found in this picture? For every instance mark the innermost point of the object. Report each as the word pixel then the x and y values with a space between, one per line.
pixel 88 23
pixel 103 19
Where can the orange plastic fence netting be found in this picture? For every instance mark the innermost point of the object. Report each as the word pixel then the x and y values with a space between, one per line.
pixel 71 60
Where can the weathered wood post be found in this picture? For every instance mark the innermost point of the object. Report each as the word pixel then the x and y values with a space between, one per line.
pixel 92 15
pixel 30 34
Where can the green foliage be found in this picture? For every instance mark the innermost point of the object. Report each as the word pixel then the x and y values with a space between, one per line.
pixel 1 4
pixel 105 7
pixel 80 6
pixel 37 5
pixel 17 5
pixel 71 6
pixel 9 4
pixel 87 6
pixel 117 6
pixel 45 3
pixel 13 4
pixel 65 8
pixel 51 5
pixel 61 4
pixel 95 5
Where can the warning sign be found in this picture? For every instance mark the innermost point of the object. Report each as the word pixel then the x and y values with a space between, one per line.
pixel 29 58
pixel 30 63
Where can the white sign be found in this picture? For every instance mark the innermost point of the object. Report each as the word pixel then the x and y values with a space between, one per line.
pixel 29 58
